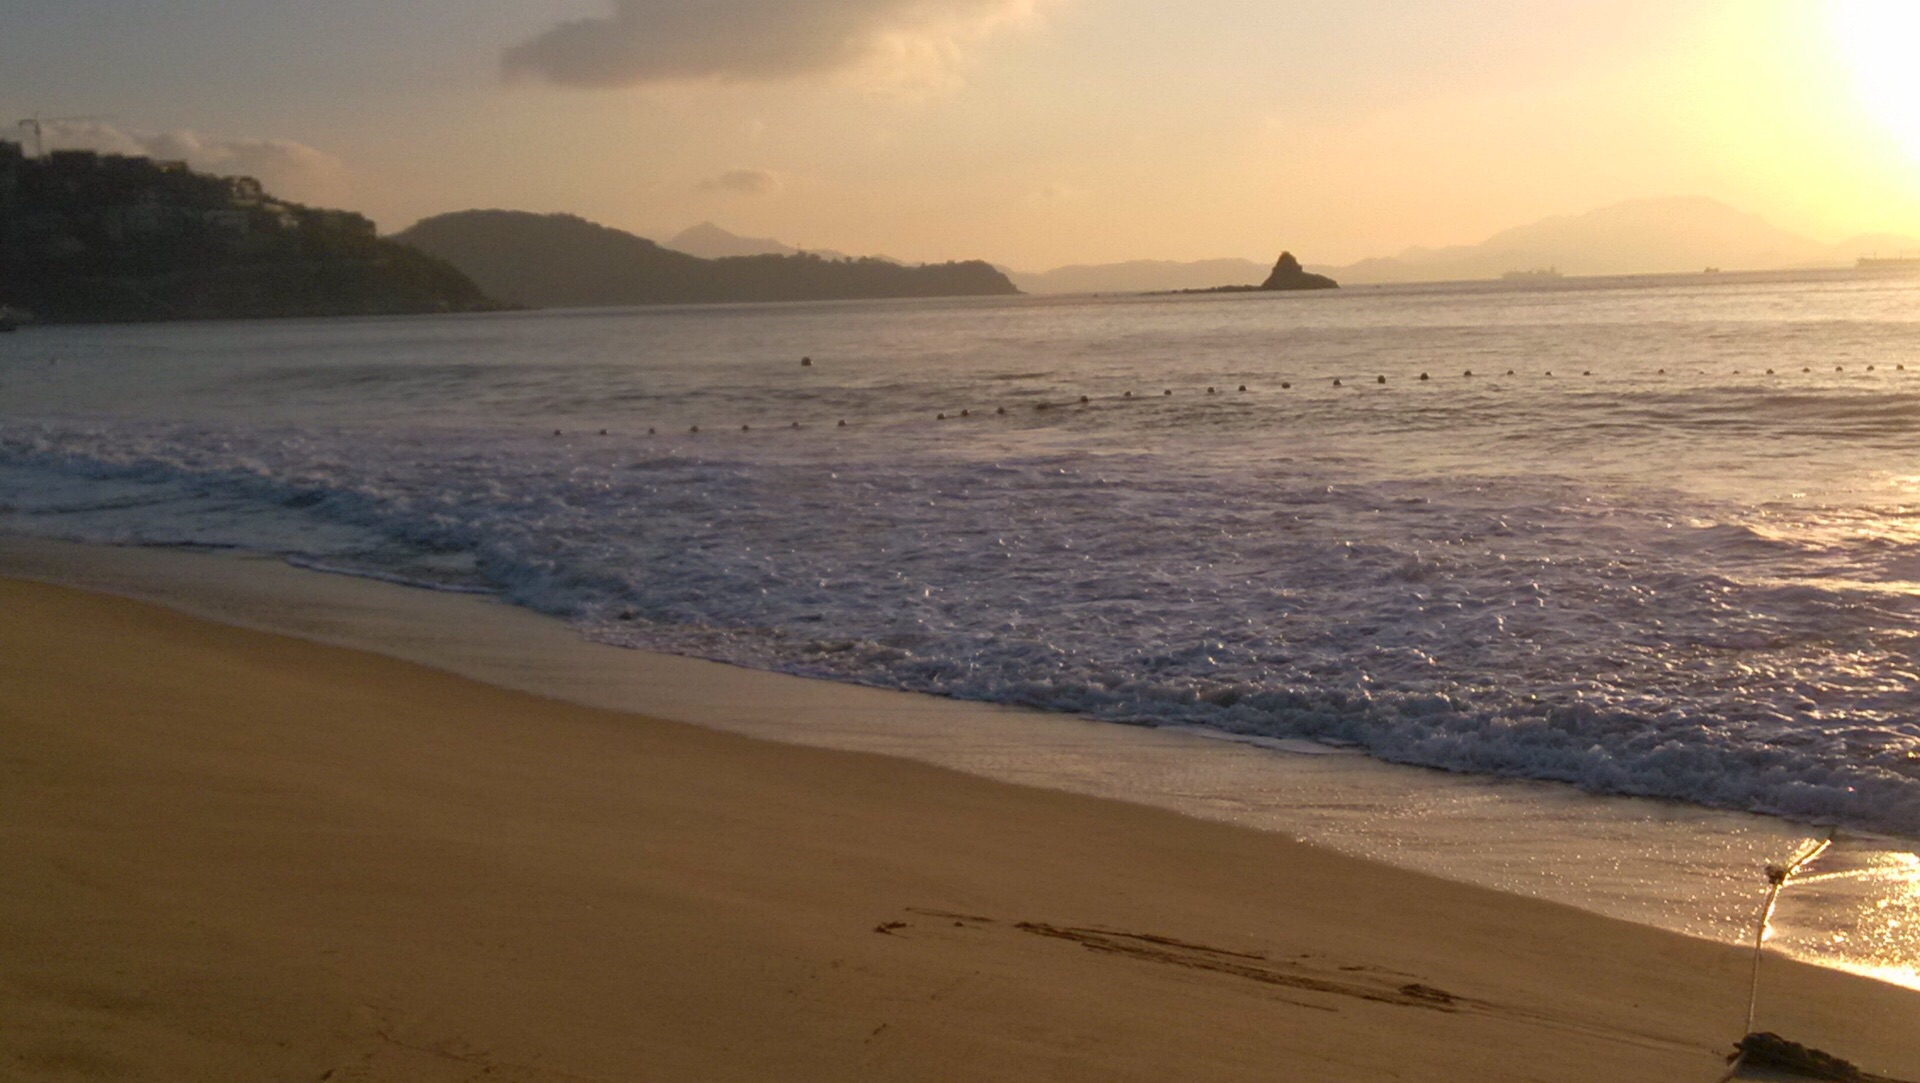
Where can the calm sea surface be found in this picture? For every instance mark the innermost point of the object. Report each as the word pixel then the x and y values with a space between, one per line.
pixel 1654 537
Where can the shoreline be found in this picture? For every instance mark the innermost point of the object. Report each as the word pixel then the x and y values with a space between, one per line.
pixel 1671 866
pixel 242 852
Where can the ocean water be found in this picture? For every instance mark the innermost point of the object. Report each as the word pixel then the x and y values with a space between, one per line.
pixel 1654 537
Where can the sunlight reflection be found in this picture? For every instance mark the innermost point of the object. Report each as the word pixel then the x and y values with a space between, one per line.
pixel 1857 908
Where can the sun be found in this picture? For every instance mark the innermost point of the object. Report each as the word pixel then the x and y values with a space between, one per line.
pixel 1877 39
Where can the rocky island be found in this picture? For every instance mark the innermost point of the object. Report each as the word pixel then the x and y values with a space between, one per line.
pixel 1287 275
pixel 87 237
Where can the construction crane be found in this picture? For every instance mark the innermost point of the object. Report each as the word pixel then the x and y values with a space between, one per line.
pixel 34 124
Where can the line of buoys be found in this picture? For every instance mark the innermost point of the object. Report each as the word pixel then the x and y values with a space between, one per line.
pixel 1285 385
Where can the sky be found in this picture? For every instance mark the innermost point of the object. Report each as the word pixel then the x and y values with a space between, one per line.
pixel 1034 133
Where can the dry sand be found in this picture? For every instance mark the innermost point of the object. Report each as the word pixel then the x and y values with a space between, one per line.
pixel 232 855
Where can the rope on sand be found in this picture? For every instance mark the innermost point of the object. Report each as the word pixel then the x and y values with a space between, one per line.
pixel 1777 877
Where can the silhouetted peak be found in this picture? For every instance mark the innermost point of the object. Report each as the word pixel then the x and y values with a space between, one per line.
pixel 1289 275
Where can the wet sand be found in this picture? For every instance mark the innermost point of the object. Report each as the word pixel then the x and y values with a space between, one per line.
pixel 237 855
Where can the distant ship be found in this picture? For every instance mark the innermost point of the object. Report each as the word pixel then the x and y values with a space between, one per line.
pixel 1535 275
pixel 1889 263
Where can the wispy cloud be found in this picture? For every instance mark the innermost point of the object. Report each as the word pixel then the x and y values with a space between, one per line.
pixel 742 182
pixel 288 169
pixel 667 41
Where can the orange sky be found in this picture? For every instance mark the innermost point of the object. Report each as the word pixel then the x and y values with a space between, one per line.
pixel 1030 132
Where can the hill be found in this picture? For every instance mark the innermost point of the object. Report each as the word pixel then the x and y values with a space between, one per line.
pixel 559 261
pixel 88 237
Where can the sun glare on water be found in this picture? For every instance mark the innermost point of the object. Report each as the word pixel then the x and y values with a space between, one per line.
pixel 1878 40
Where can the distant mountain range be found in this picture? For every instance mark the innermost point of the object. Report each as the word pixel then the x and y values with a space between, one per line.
pixel 1642 236
pixel 1647 236
pixel 561 261
pixel 1141 276
pixel 709 241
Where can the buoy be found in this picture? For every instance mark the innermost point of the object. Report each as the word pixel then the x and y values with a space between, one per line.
pixel 1209 390
pixel 1469 372
pixel 1769 372
pixel 1336 381
pixel 1001 410
pixel 603 432
pixel 806 362
pixel 695 428
pixel 1127 395
pixel 1243 387
pixel 843 423
pixel 1285 386
pixel 1083 400
pixel 1168 391
pixel 649 430
pixel 744 428
pixel 1588 372
pixel 966 413
pixel 1379 379
pixel 796 424
pixel 1509 372
pixel 1869 368
pixel 1549 372
pixel 1424 376
pixel 1040 405
pixel 939 417
pixel 556 432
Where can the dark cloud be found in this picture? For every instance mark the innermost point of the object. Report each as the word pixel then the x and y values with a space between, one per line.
pixel 743 182
pixel 658 41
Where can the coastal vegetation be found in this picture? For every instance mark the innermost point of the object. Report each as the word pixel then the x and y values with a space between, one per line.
pixel 88 237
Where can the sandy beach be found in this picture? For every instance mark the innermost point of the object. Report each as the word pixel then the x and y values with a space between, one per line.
pixel 239 855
